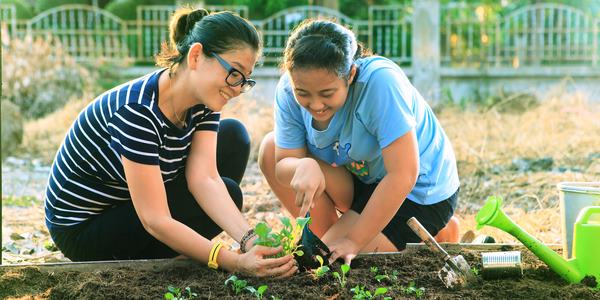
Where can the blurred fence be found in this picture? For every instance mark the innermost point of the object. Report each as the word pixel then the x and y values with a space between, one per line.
pixel 539 34
pixel 430 40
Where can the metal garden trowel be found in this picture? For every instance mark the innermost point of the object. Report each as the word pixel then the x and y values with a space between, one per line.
pixel 456 272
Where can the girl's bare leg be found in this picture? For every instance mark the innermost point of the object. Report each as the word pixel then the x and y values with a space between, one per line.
pixel 337 196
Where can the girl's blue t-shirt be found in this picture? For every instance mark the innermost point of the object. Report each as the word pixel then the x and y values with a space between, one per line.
pixel 382 105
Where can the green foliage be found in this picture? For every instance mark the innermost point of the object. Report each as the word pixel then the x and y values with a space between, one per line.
pixel 258 293
pixel 260 9
pixel 12 128
pixel 361 294
pixel 342 278
pixel 412 290
pixel 22 201
pixel 287 237
pixel 237 284
pixel 475 271
pixel 43 5
pixel 359 9
pixel 24 9
pixel 127 9
pixel 177 294
pixel 385 276
pixel 40 77
pixel 321 270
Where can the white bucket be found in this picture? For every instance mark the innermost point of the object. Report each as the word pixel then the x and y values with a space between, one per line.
pixel 574 196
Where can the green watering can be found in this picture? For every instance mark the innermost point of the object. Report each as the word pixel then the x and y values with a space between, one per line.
pixel 586 241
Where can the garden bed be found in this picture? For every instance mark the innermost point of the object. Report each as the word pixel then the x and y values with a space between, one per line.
pixel 415 270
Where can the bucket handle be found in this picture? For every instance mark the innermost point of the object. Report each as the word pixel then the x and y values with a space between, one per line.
pixel 586 213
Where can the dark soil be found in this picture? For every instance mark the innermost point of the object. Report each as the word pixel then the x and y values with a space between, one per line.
pixel 114 281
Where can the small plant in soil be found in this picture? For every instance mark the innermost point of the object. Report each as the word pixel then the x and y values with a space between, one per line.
pixel 321 270
pixel 475 271
pixel 258 293
pixel 412 290
pixel 385 276
pixel 287 237
pixel 237 285
pixel 342 278
pixel 361 294
pixel 177 294
pixel 374 270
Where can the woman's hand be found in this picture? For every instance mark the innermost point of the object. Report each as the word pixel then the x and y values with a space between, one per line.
pixel 254 263
pixel 344 248
pixel 308 182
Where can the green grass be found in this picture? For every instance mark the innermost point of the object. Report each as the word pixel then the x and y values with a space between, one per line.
pixel 23 201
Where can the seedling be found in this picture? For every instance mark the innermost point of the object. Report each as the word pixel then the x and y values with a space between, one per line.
pixel 237 285
pixel 322 270
pixel 258 293
pixel 287 237
pixel 380 277
pixel 412 289
pixel 361 294
pixel 342 279
pixel 175 293
pixel 475 271
pixel 374 270
pixel 389 277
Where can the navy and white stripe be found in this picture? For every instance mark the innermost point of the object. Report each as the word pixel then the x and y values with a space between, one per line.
pixel 87 176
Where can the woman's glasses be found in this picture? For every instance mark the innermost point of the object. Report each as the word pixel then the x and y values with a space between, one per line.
pixel 234 76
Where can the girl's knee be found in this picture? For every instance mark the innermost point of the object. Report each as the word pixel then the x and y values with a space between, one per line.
pixel 266 153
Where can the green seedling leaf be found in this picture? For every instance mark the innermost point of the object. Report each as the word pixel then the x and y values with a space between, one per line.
pixel 345 268
pixel 237 285
pixel 374 270
pixel 260 291
pixel 380 291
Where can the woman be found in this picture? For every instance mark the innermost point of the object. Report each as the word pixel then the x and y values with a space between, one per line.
pixel 352 135
pixel 142 172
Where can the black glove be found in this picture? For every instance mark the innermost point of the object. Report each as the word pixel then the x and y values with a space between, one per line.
pixel 312 246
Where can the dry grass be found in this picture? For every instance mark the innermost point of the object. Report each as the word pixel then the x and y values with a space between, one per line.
pixel 257 116
pixel 565 127
pixel 43 136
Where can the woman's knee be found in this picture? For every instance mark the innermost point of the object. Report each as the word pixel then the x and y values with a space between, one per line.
pixel 266 154
pixel 235 192
pixel 233 132
pixel 233 149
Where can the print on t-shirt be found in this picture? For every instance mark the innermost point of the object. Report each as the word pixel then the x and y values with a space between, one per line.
pixel 337 155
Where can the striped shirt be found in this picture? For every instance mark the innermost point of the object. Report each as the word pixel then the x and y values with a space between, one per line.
pixel 87 175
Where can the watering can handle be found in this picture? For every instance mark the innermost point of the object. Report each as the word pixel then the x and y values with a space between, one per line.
pixel 424 235
pixel 586 213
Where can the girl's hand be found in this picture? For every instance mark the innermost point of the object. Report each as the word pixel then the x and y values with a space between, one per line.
pixel 308 182
pixel 344 248
pixel 254 263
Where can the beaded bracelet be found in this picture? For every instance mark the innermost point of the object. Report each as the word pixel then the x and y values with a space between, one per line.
pixel 247 236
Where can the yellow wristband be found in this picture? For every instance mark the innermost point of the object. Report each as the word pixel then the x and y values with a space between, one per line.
pixel 212 258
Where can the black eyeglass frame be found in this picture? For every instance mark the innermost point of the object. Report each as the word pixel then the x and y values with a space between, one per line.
pixel 246 84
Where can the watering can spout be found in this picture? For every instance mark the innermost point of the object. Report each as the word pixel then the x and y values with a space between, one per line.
pixel 491 214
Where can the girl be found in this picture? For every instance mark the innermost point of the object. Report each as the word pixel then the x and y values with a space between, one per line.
pixel 353 135
pixel 142 172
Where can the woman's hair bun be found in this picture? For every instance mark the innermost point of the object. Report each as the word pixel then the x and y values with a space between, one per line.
pixel 186 22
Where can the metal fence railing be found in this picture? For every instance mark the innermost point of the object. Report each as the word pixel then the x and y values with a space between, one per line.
pixel 538 34
pixel 471 35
